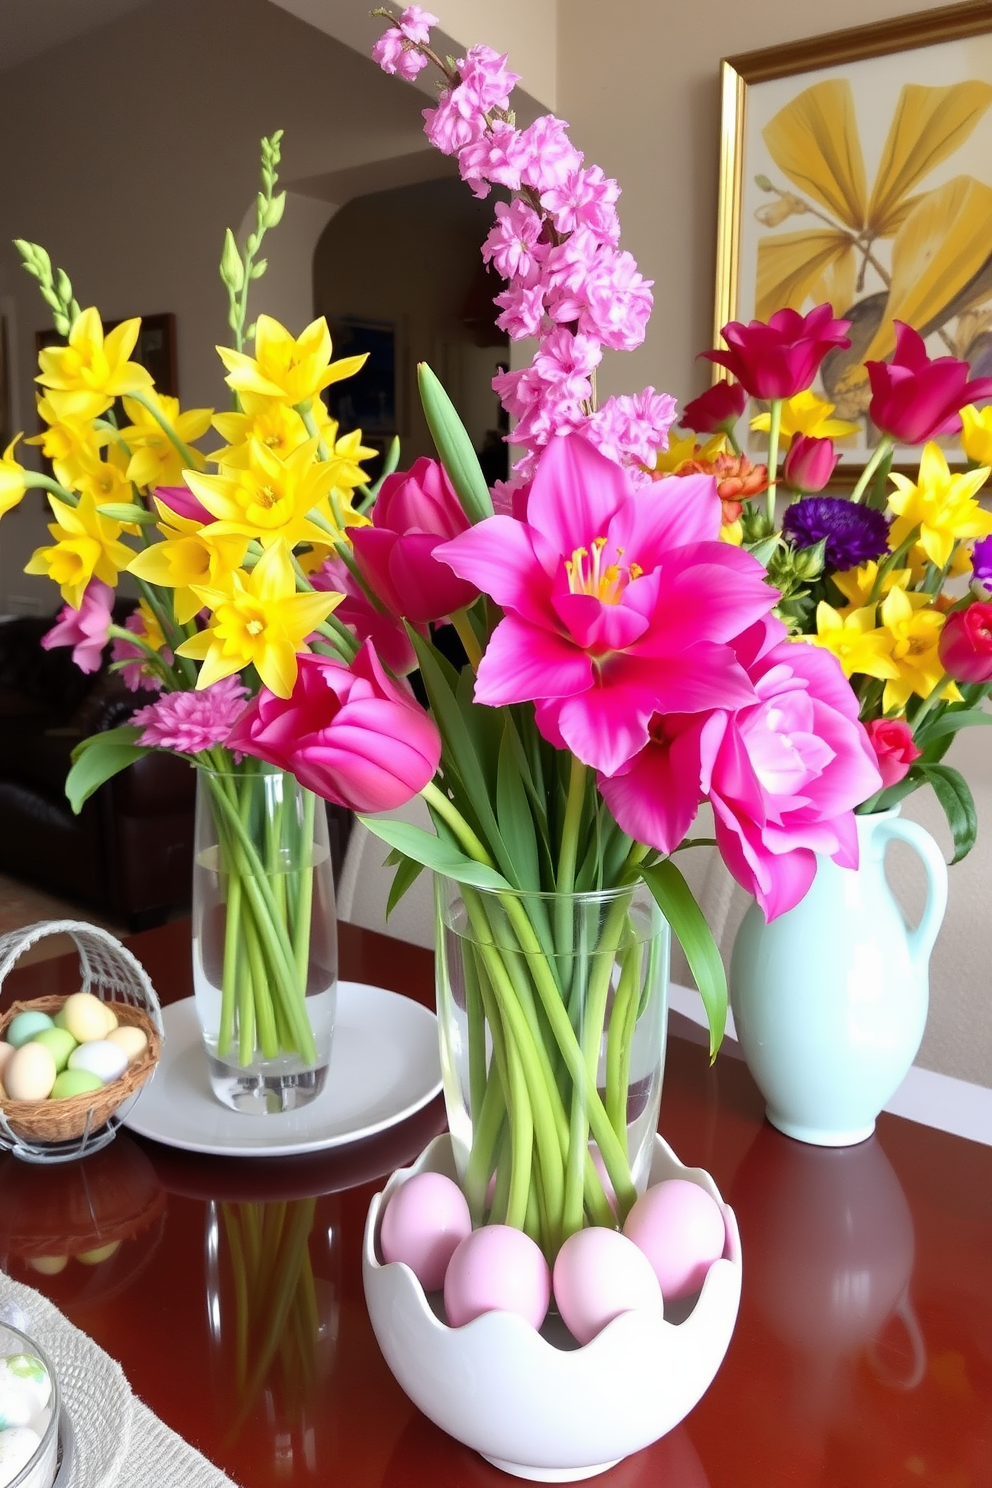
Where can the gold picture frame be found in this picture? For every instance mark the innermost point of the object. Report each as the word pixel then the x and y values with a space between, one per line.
pixel 885 165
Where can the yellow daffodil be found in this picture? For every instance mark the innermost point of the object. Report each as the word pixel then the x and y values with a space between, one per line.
pixel 155 461
pixel 273 498
pixel 941 504
pixel 151 631
pixel 858 644
pixel 918 562
pixel 976 433
pixel 70 443
pixel 733 533
pixel 106 480
pixel 189 554
pixel 857 584
pixel 683 448
pixel 807 414
pixel 295 370
pixel 85 546
pixel 258 620
pixel 269 420
pixel 912 628
pixel 12 486
pixel 93 369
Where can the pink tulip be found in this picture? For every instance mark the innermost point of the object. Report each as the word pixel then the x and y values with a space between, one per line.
pixel 619 603
pixel 783 774
pixel 915 397
pixel 809 463
pixel 716 410
pixel 965 645
pixel 181 500
pixel 387 634
pixel 350 734
pixel 892 741
pixel 415 511
pixel 781 358
pixel 86 629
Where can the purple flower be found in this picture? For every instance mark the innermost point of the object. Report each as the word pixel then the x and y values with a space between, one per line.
pixel 854 534
pixel 981 561
pixel 189 722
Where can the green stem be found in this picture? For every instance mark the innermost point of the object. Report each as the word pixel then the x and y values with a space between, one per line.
pixel 774 429
pixel 884 447
pixel 33 480
pixel 182 450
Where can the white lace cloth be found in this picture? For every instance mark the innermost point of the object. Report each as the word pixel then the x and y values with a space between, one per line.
pixel 119 1442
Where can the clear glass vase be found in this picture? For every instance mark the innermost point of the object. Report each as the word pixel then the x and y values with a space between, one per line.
pixel 264 937
pixel 553 1020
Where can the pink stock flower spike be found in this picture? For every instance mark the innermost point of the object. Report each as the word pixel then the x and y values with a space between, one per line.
pixel 965 645
pixel 86 629
pixel 916 397
pixel 780 358
pixel 616 607
pixel 895 752
pixel 190 722
pixel 349 734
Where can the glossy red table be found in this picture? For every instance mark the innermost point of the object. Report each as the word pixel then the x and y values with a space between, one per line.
pixel 862 1356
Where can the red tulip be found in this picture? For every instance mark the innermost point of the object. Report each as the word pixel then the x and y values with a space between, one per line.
pixel 892 741
pixel 965 645
pixel 809 463
pixel 715 411
pixel 350 734
pixel 780 358
pixel 415 511
pixel 916 397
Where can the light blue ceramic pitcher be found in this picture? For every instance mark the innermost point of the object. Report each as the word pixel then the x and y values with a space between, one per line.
pixel 830 1000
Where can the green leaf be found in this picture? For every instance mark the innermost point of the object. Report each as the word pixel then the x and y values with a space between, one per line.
pixel 98 759
pixel 958 804
pixel 951 721
pixel 454 446
pixel 674 898
pixel 428 850
pixel 406 875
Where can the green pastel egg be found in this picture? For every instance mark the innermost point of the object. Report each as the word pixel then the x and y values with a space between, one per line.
pixel 75 1082
pixel 25 1026
pixel 59 1042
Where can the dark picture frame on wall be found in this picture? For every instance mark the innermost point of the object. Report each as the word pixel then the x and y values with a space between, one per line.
pixel 367 401
pixel 155 348
pixel 856 168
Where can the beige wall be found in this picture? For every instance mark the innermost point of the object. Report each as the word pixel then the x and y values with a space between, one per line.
pixel 639 84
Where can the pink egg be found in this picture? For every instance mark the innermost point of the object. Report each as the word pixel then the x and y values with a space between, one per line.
pixel 424 1221
pixel 497 1269
pixel 599 1273
pixel 680 1229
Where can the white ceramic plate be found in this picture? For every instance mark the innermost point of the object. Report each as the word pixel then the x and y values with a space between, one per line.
pixel 384 1066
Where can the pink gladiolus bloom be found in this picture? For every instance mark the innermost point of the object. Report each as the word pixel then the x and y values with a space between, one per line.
pixel 809 463
pixel 387 634
pixel 716 410
pixel 85 629
pixel 783 775
pixel 915 397
pixel 189 722
pixel 780 358
pixel 181 500
pixel 965 645
pixel 350 734
pixel 892 741
pixel 619 603
pixel 415 511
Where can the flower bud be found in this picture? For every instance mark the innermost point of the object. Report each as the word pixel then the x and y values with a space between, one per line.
pixel 895 751
pixel 809 463
pixel 965 645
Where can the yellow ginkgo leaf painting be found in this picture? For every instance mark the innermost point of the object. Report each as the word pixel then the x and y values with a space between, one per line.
pixel 870 185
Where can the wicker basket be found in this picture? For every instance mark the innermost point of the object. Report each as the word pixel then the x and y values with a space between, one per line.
pixel 60 1130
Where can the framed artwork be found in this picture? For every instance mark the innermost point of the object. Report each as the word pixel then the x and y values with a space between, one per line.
pixel 856 168
pixel 155 348
pixel 366 401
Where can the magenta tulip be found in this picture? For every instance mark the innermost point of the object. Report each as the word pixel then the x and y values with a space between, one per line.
pixel 85 629
pixel 415 511
pixel 180 499
pixel 809 463
pixel 892 741
pixel 388 634
pixel 965 645
pixel 350 734
pixel 916 397
pixel 780 358
pixel 715 411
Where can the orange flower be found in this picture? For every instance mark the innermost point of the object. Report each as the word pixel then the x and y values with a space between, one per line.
pixel 737 480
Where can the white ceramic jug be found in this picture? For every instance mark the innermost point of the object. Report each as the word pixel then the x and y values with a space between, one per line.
pixel 830 1000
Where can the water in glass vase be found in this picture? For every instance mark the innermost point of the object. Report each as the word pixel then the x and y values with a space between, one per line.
pixel 264 939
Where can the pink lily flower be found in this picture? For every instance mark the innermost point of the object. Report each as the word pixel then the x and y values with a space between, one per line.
pixel 350 734
pixel 86 629
pixel 781 358
pixel 619 603
pixel 916 397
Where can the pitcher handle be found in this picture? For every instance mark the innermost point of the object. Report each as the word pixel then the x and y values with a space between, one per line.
pixel 914 1376
pixel 921 939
